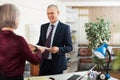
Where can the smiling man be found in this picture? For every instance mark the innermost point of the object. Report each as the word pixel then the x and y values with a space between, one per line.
pixel 56 37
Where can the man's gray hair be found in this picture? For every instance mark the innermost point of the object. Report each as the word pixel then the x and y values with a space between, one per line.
pixel 53 5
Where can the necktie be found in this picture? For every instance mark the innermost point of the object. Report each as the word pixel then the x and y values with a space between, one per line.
pixel 45 55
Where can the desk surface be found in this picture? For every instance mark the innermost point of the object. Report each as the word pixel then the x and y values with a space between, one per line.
pixel 64 76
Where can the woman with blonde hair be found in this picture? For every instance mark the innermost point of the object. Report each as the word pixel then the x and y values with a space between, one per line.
pixel 14 50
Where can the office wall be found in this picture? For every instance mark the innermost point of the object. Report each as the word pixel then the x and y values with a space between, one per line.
pixel 32 15
pixel 108 8
pixel 90 13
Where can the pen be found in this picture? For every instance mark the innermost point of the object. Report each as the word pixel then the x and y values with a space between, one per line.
pixel 87 72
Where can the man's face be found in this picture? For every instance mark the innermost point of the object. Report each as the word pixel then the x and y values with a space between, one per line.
pixel 52 14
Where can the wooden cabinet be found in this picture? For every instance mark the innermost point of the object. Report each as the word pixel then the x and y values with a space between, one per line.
pixel 34 70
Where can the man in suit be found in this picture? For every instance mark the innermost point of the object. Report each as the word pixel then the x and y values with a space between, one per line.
pixel 59 45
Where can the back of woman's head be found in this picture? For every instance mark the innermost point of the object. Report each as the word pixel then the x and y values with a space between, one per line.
pixel 9 15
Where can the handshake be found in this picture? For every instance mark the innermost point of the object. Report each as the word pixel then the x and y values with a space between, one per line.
pixel 53 49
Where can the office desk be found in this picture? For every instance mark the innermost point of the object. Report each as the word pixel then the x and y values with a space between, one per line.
pixel 64 76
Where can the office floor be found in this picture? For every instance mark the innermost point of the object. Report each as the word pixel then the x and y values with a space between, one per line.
pixel 115 74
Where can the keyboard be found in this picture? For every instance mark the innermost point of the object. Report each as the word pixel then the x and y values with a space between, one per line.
pixel 73 77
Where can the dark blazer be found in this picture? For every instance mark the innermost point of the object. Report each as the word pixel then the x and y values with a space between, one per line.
pixel 62 39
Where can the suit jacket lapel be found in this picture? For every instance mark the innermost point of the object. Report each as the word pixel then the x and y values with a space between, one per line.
pixel 45 32
pixel 57 32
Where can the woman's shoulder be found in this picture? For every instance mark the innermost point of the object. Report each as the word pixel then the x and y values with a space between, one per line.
pixel 19 37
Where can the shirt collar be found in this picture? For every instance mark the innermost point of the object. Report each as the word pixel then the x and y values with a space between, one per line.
pixel 55 24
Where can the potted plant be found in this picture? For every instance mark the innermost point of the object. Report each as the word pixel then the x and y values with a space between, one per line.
pixel 97 33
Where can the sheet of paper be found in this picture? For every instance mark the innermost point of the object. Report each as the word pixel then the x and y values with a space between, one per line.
pixel 43 46
pixel 38 78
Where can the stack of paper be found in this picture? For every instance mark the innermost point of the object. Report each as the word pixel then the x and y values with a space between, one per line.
pixel 38 78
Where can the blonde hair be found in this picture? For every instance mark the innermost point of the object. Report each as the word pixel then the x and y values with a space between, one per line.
pixel 8 16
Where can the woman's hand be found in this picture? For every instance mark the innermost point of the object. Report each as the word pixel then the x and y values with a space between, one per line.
pixel 32 47
pixel 42 49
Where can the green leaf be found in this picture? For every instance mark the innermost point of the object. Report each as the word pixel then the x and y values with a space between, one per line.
pixel 97 33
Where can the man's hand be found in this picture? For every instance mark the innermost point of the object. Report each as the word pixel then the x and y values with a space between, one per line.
pixel 53 49
pixel 33 48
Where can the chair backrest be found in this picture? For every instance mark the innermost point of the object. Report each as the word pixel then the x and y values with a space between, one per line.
pixel 84 52
pixel 85 55
pixel 116 51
